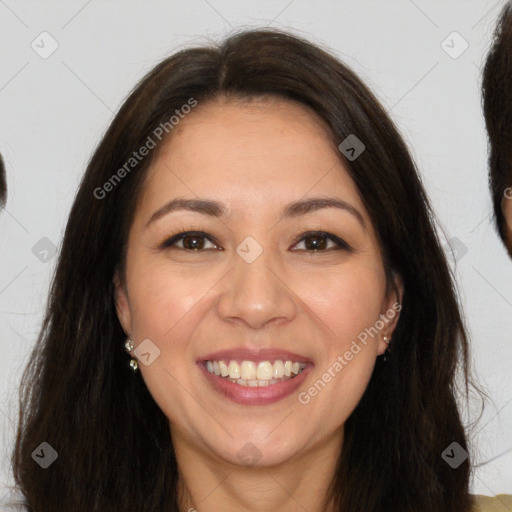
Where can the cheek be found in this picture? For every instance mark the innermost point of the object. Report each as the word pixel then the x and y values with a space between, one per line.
pixel 166 306
pixel 346 302
pixel 348 306
pixel 161 298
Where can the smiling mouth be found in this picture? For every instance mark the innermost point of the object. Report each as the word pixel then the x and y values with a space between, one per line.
pixel 255 374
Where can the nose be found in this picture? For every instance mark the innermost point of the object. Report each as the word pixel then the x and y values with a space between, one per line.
pixel 257 293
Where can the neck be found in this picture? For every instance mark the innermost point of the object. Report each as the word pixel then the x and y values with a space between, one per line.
pixel 209 483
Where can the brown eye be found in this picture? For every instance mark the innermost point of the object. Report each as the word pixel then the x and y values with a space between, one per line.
pixel 190 241
pixel 318 241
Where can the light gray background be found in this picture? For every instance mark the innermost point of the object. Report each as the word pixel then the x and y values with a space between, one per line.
pixel 55 110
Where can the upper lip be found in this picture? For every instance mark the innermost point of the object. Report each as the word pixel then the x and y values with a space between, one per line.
pixel 263 354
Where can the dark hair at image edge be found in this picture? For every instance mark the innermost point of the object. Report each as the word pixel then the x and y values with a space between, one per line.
pixel 3 184
pixel 78 392
pixel 497 106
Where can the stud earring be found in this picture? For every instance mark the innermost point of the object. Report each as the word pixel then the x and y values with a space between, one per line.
pixel 134 365
pixel 387 353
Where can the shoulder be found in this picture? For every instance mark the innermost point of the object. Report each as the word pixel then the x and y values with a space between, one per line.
pixel 499 503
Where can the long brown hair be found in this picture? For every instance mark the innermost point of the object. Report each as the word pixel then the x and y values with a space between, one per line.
pixel 79 395
pixel 497 103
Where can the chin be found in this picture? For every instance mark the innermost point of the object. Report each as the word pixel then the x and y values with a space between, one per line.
pixel 251 451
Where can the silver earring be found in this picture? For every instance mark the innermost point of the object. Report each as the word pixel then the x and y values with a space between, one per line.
pixel 134 365
pixel 387 353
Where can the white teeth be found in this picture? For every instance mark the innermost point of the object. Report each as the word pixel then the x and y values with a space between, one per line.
pixel 248 370
pixel 234 370
pixel 265 370
pixel 251 374
pixel 278 369
pixel 223 369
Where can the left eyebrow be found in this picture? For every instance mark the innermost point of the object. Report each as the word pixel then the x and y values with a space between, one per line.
pixel 203 206
pixel 217 209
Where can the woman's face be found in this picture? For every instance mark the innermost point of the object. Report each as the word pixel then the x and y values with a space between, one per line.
pixel 252 286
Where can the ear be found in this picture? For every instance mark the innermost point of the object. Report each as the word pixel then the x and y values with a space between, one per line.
pixel 390 313
pixel 506 208
pixel 122 304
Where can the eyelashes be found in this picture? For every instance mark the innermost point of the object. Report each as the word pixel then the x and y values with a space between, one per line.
pixel 339 243
pixel 170 241
pixel 197 239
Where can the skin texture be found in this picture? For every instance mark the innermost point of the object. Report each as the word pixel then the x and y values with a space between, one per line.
pixel 255 157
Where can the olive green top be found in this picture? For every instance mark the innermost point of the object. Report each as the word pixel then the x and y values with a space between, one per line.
pixel 499 503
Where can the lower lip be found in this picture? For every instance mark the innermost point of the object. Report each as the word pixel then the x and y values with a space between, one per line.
pixel 258 395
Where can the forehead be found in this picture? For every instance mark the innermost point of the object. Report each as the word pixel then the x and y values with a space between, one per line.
pixel 258 152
